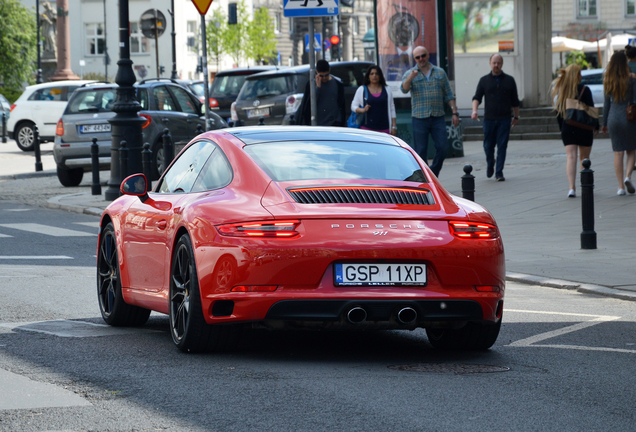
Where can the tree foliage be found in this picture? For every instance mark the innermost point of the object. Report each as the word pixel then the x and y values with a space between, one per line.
pixel 262 40
pixel 577 57
pixel 236 35
pixel 215 30
pixel 18 42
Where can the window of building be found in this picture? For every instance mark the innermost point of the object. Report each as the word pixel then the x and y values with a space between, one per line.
pixel 355 25
pixel 291 25
pixel 192 36
pixel 95 41
pixel 139 43
pixel 277 21
pixel 630 10
pixel 479 26
pixel 587 8
pixel 369 23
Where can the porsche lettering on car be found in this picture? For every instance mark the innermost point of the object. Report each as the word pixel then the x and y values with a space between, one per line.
pixel 300 227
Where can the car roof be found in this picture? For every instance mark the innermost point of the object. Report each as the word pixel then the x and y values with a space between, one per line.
pixel 246 70
pixel 303 69
pixel 262 134
pixel 58 83
pixel 592 71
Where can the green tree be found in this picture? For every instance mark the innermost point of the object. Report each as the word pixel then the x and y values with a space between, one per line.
pixel 215 34
pixel 261 36
pixel 577 57
pixel 18 42
pixel 235 37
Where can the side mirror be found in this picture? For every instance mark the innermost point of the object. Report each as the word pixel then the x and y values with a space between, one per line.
pixel 135 185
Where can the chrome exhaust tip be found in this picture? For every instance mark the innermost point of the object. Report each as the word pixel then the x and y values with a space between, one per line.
pixel 407 315
pixel 356 315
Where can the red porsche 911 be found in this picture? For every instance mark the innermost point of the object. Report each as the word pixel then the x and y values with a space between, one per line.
pixel 300 227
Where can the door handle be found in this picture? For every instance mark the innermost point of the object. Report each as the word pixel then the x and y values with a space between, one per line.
pixel 161 225
pixel 165 120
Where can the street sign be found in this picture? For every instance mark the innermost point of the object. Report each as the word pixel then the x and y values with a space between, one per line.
pixel 202 5
pixel 149 22
pixel 316 42
pixel 309 8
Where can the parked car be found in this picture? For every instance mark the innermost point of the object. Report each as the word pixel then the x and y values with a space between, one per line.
pixel 300 227
pixel 197 87
pixel 39 105
pixel 277 95
pixel 164 104
pixel 5 108
pixel 593 78
pixel 226 86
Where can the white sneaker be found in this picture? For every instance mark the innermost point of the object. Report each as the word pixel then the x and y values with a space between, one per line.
pixel 629 186
pixel 620 192
pixel 572 194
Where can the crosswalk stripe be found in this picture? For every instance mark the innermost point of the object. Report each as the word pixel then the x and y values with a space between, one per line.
pixel 47 230
pixel 34 257
pixel 4 235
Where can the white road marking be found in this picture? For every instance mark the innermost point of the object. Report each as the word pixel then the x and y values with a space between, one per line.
pixel 18 210
pixel 34 257
pixel 88 224
pixel 47 230
pixel 5 235
pixel 596 319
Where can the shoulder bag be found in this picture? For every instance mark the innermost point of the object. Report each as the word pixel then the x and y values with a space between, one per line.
pixel 355 120
pixel 631 106
pixel 579 115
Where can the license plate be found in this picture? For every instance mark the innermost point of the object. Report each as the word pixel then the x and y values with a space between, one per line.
pixel 95 128
pixel 380 274
pixel 260 112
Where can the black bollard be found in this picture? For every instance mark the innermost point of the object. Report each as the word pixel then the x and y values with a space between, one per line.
pixel 468 183
pixel 231 124
pixel 588 235
pixel 4 127
pixel 36 146
pixel 292 120
pixel 199 129
pixel 168 150
pixel 261 121
pixel 96 188
pixel 146 162
pixel 123 160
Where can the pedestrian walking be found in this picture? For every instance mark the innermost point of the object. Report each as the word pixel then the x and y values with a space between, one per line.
pixel 630 52
pixel 378 105
pixel 501 99
pixel 577 141
pixel 430 90
pixel 620 90
pixel 330 99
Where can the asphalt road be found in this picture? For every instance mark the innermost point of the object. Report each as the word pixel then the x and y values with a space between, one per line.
pixel 564 361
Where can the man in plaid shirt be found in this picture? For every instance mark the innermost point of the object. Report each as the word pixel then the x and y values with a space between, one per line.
pixel 430 90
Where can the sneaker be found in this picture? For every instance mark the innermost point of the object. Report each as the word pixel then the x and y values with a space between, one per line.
pixel 490 171
pixel 571 194
pixel 620 192
pixel 629 186
pixel 501 179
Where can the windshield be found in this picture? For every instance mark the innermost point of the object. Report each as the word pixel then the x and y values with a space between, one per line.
pixel 268 87
pixel 197 88
pixel 92 101
pixel 228 85
pixel 316 160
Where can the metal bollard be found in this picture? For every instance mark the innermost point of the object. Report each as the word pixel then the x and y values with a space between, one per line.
pixel 123 160
pixel 199 129
pixel 261 121
pixel 231 124
pixel 292 120
pixel 168 149
pixel 96 188
pixel 146 163
pixel 36 147
pixel 468 183
pixel 588 235
pixel 4 127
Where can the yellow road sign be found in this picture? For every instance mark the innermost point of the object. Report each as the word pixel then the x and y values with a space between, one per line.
pixel 202 5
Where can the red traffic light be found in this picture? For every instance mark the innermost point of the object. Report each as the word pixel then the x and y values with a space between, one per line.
pixel 334 39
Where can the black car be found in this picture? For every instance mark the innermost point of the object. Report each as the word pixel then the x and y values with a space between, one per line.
pixel 226 86
pixel 197 87
pixel 164 104
pixel 276 95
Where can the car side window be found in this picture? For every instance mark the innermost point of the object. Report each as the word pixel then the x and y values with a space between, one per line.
pixel 216 173
pixel 163 98
pixel 346 75
pixel 69 91
pixel 142 95
pixel 53 94
pixel 184 171
pixel 184 100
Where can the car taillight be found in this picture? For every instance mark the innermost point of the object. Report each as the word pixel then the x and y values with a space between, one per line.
pixel 233 114
pixel 261 229
pixel 147 122
pixel 59 129
pixel 12 106
pixel 292 103
pixel 473 230
pixel 214 103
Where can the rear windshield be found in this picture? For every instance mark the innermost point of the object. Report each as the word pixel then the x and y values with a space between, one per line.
pixel 92 101
pixel 198 89
pixel 228 85
pixel 315 160
pixel 268 87
pixel 595 78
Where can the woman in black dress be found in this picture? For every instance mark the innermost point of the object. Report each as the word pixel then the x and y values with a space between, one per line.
pixel 577 141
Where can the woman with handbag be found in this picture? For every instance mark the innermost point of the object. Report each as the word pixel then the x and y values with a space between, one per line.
pixel 620 93
pixel 377 104
pixel 577 141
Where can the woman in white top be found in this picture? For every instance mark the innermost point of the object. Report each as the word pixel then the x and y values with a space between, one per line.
pixel 377 104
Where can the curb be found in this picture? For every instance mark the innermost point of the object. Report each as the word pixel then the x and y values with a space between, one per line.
pixel 569 285
pixel 48 173
pixel 55 203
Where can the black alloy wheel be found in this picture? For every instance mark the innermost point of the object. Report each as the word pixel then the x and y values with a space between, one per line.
pixel 115 311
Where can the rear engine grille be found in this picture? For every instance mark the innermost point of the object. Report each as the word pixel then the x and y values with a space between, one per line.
pixel 362 195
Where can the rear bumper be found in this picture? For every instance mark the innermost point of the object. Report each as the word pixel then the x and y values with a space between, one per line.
pixel 78 155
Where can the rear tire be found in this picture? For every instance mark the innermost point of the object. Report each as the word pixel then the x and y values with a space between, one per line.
pixel 115 311
pixel 25 136
pixel 69 177
pixel 158 161
pixel 473 336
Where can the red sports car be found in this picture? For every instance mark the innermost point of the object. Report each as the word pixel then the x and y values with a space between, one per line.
pixel 300 227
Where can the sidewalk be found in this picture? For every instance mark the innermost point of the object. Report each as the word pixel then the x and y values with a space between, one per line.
pixel 540 226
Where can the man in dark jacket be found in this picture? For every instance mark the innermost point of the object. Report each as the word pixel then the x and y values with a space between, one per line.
pixel 330 99
pixel 500 91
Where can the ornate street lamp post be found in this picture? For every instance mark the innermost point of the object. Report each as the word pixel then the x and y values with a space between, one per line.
pixel 174 48
pixel 126 125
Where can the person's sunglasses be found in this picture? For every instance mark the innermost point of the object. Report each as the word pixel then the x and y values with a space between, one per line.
pixel 421 56
pixel 323 75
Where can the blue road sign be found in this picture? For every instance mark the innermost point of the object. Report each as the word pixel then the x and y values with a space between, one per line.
pixel 309 8
pixel 316 42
